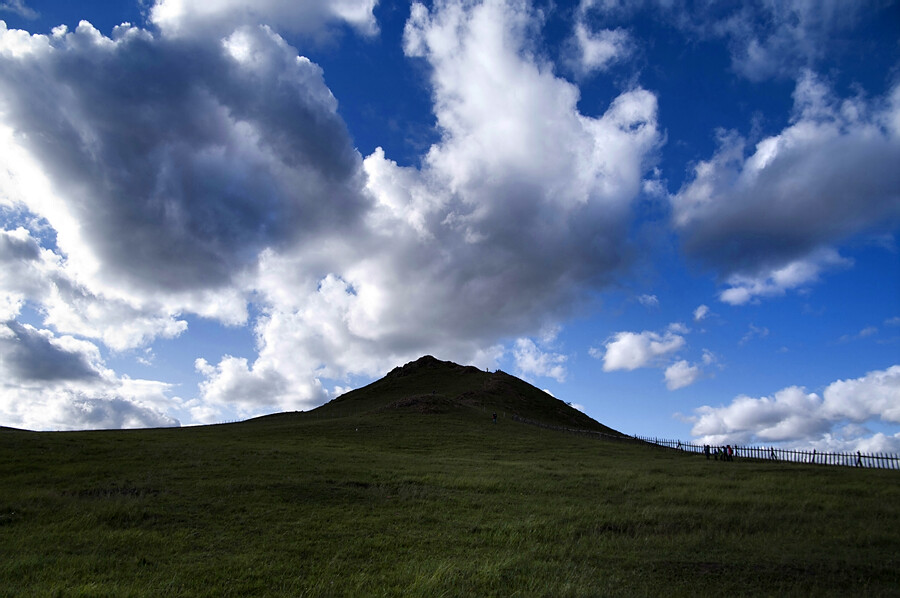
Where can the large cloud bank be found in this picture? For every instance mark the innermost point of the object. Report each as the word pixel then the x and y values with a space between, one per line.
pixel 203 166
pixel 488 239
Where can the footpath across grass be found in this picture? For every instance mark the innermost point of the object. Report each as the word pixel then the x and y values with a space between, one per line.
pixel 411 504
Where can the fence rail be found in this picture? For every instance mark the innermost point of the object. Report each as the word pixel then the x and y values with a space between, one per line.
pixel 874 461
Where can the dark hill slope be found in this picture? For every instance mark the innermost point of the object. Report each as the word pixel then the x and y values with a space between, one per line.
pixel 432 386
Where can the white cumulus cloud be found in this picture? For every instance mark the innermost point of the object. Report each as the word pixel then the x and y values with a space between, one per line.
pixel 795 415
pixel 55 382
pixel 632 350
pixel 769 220
pixel 214 172
pixel 681 374
pixel 597 50
pixel 530 360
pixel 187 17
pixel 649 349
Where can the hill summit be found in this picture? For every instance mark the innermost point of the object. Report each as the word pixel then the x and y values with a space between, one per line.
pixel 431 386
pixel 428 362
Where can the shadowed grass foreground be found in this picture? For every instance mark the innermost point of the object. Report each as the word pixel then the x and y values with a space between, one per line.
pixel 448 504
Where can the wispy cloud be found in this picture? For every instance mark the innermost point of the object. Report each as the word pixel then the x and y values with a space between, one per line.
pixel 700 313
pixel 796 274
pixel 753 332
pixel 648 300
pixel 20 8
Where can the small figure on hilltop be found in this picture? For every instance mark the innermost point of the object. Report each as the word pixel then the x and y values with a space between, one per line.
pixel 706 451
pixel 858 459
pixel 729 453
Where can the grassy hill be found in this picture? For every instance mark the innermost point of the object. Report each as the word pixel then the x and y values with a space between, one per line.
pixel 406 488
pixel 431 386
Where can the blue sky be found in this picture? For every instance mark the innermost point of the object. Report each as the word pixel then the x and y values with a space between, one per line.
pixel 680 216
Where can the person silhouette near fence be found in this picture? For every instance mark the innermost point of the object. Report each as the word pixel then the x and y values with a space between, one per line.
pixel 706 451
pixel 858 459
pixel 729 453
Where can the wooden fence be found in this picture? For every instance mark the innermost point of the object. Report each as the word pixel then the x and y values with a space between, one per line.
pixel 876 461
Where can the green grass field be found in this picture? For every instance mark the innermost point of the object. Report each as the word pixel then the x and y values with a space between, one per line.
pixel 412 501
